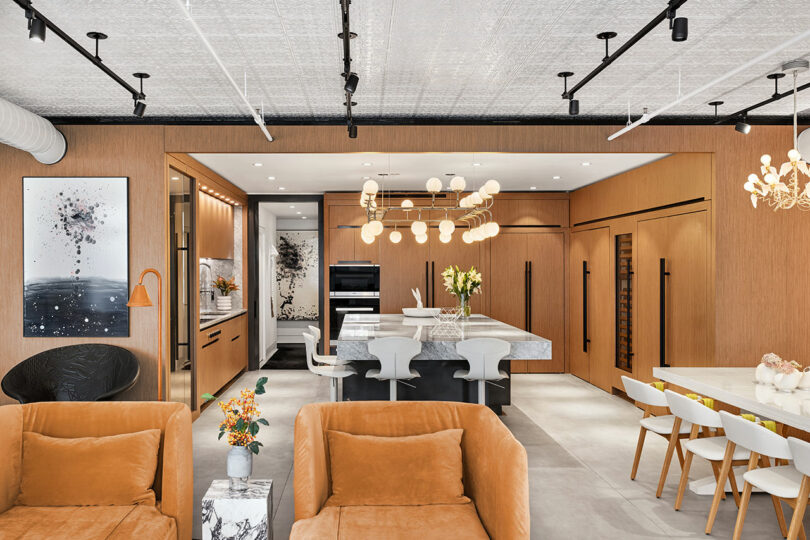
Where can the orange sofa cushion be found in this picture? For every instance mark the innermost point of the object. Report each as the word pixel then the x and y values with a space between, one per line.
pixel 411 470
pixel 86 522
pixel 114 470
pixel 430 522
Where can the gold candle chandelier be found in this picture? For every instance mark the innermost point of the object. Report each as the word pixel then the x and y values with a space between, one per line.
pixel 779 188
pixel 472 209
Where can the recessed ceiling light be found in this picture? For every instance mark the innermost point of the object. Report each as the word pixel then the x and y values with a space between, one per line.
pixel 292 206
pixel 476 164
pixel 282 188
pixel 257 164
pixel 299 213
pixel 236 204
pixel 367 164
pixel 366 178
pixel 210 190
pixel 216 193
pixel 533 188
pixel 303 217
pixel 271 177
pixel 175 178
pixel 555 177
pixel 586 163
pixel 204 187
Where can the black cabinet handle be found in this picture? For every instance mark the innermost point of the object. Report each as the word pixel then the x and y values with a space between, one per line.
pixel 662 312
pixel 585 339
pixel 433 283
pixel 529 299
pixel 214 334
pixel 210 343
pixel 526 295
pixel 427 285
pixel 235 338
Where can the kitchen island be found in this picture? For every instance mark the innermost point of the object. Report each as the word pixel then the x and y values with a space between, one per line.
pixel 438 360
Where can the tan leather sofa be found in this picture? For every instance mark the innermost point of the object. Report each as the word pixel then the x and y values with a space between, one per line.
pixel 495 474
pixel 170 518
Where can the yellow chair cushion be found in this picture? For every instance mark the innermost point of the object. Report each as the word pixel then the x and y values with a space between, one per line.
pixel 89 471
pixel 410 470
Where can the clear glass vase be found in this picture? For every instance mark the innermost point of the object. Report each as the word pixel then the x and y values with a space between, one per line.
pixel 464 305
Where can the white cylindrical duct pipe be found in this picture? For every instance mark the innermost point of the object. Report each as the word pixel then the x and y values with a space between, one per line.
pixel 29 132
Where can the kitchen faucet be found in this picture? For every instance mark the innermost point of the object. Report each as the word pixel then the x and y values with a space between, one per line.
pixel 205 284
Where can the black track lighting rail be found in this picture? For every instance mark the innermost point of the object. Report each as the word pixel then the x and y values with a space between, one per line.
pixel 350 79
pixel 776 97
pixel 609 59
pixel 26 5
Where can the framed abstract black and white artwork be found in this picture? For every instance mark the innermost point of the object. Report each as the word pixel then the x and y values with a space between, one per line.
pixel 75 257
pixel 297 275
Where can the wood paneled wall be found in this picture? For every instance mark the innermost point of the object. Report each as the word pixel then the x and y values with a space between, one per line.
pixel 752 247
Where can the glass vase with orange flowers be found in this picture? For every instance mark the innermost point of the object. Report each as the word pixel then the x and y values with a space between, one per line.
pixel 241 424
pixel 226 287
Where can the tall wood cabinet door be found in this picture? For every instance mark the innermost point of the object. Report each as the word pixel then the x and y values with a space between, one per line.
pixel 579 359
pixel 546 254
pixel 457 253
pixel 341 245
pixel 215 228
pixel 403 267
pixel 681 242
pixel 600 310
pixel 507 284
pixel 368 253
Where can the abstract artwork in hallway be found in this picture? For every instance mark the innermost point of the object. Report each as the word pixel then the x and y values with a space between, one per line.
pixel 297 275
pixel 76 251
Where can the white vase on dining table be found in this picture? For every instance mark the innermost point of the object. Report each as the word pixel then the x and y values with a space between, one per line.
pixel 804 383
pixel 787 382
pixel 765 374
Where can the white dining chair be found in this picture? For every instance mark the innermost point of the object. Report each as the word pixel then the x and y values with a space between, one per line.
pixel 483 356
pixel 781 481
pixel 710 448
pixel 333 372
pixel 801 460
pixel 395 355
pixel 328 359
pixel 668 426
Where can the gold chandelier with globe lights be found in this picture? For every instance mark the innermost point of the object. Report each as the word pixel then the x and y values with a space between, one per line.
pixel 473 210
pixel 779 188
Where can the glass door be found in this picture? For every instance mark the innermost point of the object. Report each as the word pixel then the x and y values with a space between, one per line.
pixel 180 224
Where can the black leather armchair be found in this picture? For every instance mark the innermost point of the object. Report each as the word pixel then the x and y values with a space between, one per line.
pixel 88 372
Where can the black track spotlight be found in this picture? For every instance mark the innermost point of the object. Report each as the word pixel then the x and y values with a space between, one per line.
pixel 742 126
pixel 573 107
pixel 140 108
pixel 351 83
pixel 352 131
pixel 680 29
pixel 36 30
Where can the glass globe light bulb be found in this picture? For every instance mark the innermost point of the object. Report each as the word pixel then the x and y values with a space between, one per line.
pixel 446 226
pixel 370 187
pixel 752 178
pixel 476 199
pixel 467 237
pixel 445 238
pixel 421 239
pixel 458 183
pixel 419 228
pixel 770 179
pixel 465 202
pixel 492 229
pixel 766 160
pixel 492 187
pixel 434 185
pixel 477 234
pixel 367 238
pixel 406 204
pixel 749 187
pixel 395 237
pixel 794 155
pixel 365 230
pixel 375 227
pixel 363 201
pixel 483 193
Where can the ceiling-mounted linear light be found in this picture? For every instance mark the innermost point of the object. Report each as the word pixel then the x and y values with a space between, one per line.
pixel 259 119
pixel 678 26
pixel 754 61
pixel 37 25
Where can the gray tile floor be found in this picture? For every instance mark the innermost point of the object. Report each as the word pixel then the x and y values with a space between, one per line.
pixel 580 442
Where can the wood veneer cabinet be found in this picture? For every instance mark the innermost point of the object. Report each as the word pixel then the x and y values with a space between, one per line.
pixel 214 228
pixel 591 317
pixel 527 290
pixel 222 354
pixel 673 292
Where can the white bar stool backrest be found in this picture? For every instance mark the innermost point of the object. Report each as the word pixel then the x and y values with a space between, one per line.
pixel 316 332
pixel 644 393
pixel 801 454
pixel 752 436
pixel 691 410
pixel 395 354
pixel 309 343
pixel 483 355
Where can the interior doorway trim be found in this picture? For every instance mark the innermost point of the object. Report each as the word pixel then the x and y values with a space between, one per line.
pixel 253 266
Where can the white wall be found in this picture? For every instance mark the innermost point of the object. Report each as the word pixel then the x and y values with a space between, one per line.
pixel 267 284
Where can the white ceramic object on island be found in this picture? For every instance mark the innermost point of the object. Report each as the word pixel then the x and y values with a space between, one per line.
pixel 765 374
pixel 239 467
pixel 764 393
pixel 804 383
pixel 787 382
pixel 224 303
pixel 421 312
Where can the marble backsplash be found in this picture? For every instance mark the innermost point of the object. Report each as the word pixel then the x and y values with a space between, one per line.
pixel 226 268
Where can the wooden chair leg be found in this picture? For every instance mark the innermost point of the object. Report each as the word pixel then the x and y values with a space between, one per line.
pixel 679 450
pixel 641 435
pixel 718 491
pixel 716 471
pixel 798 511
pixel 777 503
pixel 673 439
pixel 732 479
pixel 687 464
pixel 746 496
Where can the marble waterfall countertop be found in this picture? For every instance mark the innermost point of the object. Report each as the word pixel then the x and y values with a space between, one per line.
pixel 207 320
pixel 438 340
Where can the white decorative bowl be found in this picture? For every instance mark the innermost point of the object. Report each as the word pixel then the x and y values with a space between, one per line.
pixel 421 312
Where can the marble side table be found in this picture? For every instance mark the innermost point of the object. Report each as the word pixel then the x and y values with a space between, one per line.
pixel 238 515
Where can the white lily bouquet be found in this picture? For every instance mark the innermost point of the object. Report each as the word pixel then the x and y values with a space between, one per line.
pixel 462 285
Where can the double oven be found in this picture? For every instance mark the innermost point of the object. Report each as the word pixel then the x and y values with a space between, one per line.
pixel 353 288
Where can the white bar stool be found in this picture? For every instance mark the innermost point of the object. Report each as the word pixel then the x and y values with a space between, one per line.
pixel 483 355
pixel 781 482
pixel 333 372
pixel 395 354
pixel 801 460
pixel 324 358
pixel 712 449
pixel 668 426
